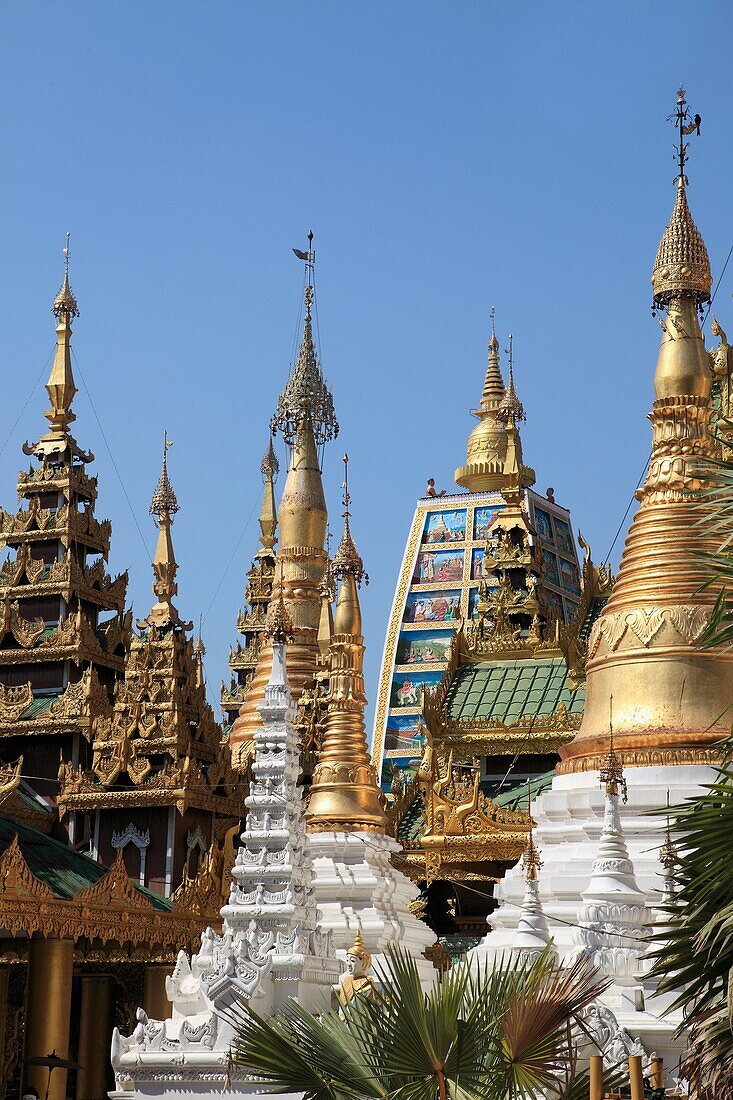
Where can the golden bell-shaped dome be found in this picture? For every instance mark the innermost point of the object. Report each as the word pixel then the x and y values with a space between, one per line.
pixel 487 444
pixel 672 699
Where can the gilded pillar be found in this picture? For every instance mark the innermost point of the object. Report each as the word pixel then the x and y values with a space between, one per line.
pixel 48 1012
pixel 95 1032
pixel 155 998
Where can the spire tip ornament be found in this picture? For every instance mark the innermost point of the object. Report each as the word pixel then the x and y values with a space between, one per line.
pixel 612 770
pixel 306 393
pixel 347 560
pixel 511 408
pixel 682 265
pixel 164 500
pixel 65 302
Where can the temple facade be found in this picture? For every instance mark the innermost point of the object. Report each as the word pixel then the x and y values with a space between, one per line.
pixel 476 696
pixel 117 798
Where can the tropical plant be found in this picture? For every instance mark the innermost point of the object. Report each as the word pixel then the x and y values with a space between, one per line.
pixel 500 1034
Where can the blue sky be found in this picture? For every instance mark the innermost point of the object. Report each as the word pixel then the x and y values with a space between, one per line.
pixel 449 157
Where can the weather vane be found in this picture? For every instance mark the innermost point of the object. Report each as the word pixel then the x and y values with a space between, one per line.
pixel 346 499
pixel 308 257
pixel 67 252
pixel 686 124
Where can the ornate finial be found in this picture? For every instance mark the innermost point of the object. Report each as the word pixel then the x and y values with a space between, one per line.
pixel 493 341
pixel 279 625
pixel 65 302
pixel 511 408
pixel 612 772
pixel 682 266
pixel 269 467
pixel 668 852
pixel 347 559
pixel 199 648
pixel 306 392
pixel 531 861
pixel 686 125
pixel 164 500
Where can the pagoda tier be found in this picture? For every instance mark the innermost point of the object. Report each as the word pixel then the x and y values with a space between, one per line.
pixel 63 625
pixel 260 578
pixel 160 750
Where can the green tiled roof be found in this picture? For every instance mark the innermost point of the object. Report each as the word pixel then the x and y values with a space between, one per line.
pixel 62 868
pixel 507 690
pixel 518 797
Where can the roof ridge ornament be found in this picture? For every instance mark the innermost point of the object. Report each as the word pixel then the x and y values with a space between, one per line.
pixel 306 393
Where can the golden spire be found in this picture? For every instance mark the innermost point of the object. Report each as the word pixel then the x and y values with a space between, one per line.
pixel 269 468
pixel 164 506
pixel 672 698
pixel 60 386
pixel 346 560
pixel 305 417
pixel 511 409
pixel 345 794
pixel 487 443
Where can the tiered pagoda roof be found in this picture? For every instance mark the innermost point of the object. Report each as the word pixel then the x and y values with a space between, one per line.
pixel 161 743
pixel 63 625
pixel 260 578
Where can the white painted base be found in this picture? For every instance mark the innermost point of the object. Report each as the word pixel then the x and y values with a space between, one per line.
pixel 357 888
pixel 569 821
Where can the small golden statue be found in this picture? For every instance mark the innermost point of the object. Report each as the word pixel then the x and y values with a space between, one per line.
pixel 356 982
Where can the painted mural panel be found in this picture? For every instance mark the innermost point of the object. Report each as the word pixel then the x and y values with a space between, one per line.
pixel 569 576
pixel 443 566
pixel 402 735
pixel 479 571
pixel 543 524
pixel 432 607
pixel 448 526
pixel 563 536
pixel 407 687
pixel 483 521
pixel 552 572
pixel 423 647
pixel 554 604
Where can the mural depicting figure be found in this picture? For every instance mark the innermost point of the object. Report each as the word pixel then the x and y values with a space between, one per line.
pixel 442 566
pixel 549 561
pixel 563 537
pixel 543 524
pixel 423 647
pixel 445 527
pixel 433 607
pixel 407 687
pixel 569 576
pixel 483 521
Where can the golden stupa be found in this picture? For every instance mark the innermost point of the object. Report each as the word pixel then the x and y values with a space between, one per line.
pixel 672 700
pixel 305 416
pixel 345 792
